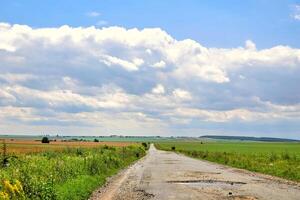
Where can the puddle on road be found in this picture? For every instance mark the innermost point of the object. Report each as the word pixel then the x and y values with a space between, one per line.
pixel 209 183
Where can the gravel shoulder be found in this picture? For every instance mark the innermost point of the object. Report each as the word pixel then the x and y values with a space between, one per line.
pixel 167 175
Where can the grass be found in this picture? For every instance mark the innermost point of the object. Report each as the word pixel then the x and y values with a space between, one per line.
pixel 70 173
pixel 278 159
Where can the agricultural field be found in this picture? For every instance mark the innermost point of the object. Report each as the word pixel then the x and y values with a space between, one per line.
pixel 278 159
pixel 60 170
pixel 29 146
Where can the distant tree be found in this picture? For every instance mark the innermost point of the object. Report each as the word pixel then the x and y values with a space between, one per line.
pixel 96 140
pixel 173 148
pixel 45 140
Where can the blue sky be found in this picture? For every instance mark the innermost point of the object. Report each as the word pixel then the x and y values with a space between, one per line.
pixel 216 23
pixel 185 68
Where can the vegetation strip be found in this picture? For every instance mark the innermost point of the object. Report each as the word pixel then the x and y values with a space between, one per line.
pixel 73 173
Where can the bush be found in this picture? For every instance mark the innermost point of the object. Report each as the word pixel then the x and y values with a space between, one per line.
pixel 285 156
pixel 173 148
pixel 145 145
pixel 96 140
pixel 45 140
pixel 4 155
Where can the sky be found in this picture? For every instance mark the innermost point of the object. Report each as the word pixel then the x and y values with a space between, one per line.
pixel 182 68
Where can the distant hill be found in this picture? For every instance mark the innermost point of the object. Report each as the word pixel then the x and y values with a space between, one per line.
pixel 262 139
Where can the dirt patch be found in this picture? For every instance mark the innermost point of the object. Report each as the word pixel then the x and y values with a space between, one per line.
pixel 142 194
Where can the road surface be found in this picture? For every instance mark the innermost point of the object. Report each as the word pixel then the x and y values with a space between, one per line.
pixel 167 175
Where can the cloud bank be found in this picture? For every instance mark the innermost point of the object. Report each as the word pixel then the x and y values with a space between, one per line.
pixel 86 80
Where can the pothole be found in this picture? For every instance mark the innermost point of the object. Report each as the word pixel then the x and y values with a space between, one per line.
pixel 241 197
pixel 194 173
pixel 207 182
pixel 143 194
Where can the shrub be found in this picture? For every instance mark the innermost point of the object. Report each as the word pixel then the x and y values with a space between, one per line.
pixel 285 156
pixel 173 148
pixel 145 145
pixel 45 140
pixel 96 140
pixel 4 155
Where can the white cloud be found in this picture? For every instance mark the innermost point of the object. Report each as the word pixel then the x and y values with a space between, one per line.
pixel 159 89
pixel 93 14
pixel 297 16
pixel 136 78
pixel 296 12
pixel 182 94
pixel 160 64
pixel 15 78
pixel 250 45
pixel 130 66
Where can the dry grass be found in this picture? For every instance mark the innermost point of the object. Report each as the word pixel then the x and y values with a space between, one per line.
pixel 31 146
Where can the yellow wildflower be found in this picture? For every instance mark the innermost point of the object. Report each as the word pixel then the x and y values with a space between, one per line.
pixel 8 188
pixel 4 196
pixel 11 191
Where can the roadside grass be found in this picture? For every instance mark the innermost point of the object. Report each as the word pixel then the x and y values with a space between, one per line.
pixel 277 159
pixel 71 173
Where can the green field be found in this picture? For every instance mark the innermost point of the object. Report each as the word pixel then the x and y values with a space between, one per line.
pixel 278 159
pixel 91 138
pixel 72 173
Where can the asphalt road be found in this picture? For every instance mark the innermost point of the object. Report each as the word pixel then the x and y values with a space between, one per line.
pixel 167 175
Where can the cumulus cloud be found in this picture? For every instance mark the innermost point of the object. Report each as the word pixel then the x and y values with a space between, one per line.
pixel 128 65
pixel 112 77
pixel 159 89
pixel 182 94
pixel 160 64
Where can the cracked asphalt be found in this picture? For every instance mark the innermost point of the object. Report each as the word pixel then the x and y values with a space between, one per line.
pixel 168 175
